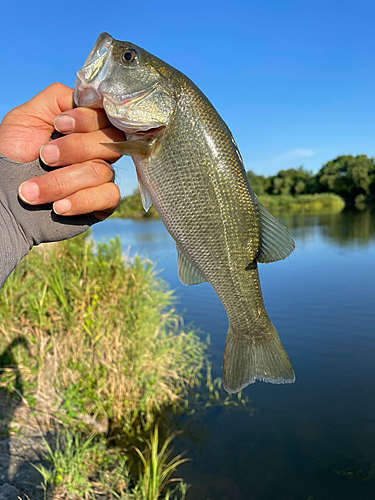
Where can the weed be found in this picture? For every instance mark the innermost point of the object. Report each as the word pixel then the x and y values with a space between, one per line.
pixel 156 466
pixel 84 466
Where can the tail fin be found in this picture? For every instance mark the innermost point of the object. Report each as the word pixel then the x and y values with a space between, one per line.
pixel 247 359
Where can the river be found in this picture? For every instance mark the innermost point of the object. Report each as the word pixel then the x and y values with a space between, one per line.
pixel 314 439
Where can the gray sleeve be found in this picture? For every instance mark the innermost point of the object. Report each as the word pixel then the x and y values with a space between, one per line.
pixel 21 225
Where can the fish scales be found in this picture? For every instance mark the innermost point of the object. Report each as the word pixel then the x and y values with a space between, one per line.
pixel 189 167
pixel 200 224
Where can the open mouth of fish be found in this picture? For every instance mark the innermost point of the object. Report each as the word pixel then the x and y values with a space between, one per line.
pixel 116 107
pixel 89 92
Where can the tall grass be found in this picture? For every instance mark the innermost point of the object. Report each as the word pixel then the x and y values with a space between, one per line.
pixel 103 340
pixel 85 468
pixel 91 337
pixel 156 466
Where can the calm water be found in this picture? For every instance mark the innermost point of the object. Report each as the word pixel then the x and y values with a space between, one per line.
pixel 322 302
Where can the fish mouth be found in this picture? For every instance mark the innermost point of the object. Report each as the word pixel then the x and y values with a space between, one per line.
pixel 96 88
pixel 88 97
pixel 117 107
pixel 95 69
pixel 127 98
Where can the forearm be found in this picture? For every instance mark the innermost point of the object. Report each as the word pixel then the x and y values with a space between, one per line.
pixel 13 245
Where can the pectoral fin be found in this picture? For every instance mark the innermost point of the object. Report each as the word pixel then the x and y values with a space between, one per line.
pixel 145 197
pixel 275 241
pixel 132 148
pixel 187 273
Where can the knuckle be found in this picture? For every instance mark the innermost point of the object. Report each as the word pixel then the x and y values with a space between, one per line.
pixel 58 184
pixel 113 196
pixel 56 87
pixel 102 170
pixel 108 197
pixel 116 195
pixel 14 114
pixel 79 147
pixel 85 200
pixel 79 114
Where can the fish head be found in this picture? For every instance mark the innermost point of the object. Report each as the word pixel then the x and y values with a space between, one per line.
pixel 132 85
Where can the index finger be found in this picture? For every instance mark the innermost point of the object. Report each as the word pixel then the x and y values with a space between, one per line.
pixel 81 120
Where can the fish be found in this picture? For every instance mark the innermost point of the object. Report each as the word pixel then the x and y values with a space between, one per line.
pixel 189 167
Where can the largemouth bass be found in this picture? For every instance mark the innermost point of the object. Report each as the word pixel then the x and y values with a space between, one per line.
pixel 189 167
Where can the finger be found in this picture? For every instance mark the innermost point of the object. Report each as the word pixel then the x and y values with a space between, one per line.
pixel 64 182
pixel 81 120
pixel 101 200
pixel 77 148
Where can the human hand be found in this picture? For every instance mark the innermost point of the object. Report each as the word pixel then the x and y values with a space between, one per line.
pixel 85 185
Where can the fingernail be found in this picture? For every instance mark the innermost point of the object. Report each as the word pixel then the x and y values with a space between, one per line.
pixel 61 207
pixel 28 191
pixel 64 124
pixel 49 154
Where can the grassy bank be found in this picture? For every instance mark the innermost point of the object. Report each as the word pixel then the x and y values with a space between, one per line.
pixel 94 340
pixel 303 203
pixel 130 207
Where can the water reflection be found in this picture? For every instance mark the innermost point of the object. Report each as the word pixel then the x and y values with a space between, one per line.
pixel 353 227
pixel 349 227
pixel 305 438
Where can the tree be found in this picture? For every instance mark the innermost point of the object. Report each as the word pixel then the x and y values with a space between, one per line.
pixel 257 182
pixel 348 176
pixel 293 181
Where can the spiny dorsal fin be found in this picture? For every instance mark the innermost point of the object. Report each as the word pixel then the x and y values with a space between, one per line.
pixel 187 273
pixel 275 241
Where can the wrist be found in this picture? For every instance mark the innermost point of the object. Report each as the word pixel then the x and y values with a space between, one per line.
pixel 13 242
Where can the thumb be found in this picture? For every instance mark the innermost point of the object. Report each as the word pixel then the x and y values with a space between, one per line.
pixel 26 128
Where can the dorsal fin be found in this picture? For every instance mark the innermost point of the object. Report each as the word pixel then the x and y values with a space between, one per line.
pixel 187 273
pixel 275 241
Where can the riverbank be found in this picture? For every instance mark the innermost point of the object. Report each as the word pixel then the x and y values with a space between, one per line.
pixel 94 342
pixel 303 203
pixel 130 207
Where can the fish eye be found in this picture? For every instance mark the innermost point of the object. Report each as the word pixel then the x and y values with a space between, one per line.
pixel 130 56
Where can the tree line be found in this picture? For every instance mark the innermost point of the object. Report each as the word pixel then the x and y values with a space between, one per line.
pixel 351 177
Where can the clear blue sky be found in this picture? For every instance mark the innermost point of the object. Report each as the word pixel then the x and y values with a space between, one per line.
pixel 294 80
